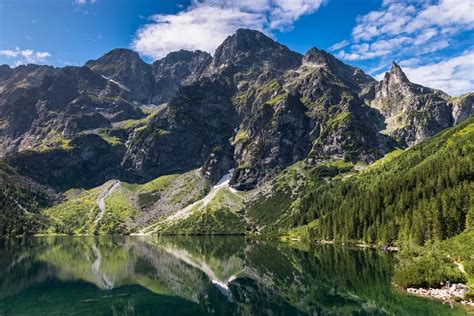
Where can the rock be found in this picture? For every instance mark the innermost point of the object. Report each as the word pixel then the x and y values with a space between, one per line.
pixel 265 105
pixel 175 70
pixel 125 68
pixel 412 112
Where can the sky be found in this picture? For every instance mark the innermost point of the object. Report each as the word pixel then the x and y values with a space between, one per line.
pixel 433 40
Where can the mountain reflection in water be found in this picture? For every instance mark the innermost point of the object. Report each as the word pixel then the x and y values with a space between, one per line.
pixel 198 276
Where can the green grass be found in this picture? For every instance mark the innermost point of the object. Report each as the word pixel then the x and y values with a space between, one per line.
pixel 184 193
pixel 221 216
pixel 241 136
pixel 279 98
pixel 112 140
pixel 55 140
pixel 158 184
pixel 118 210
pixel 75 216
pixel 338 120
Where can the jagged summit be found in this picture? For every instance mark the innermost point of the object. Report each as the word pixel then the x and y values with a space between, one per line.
pixel 254 106
pixel 354 77
pixel 114 56
pixel 128 70
pixel 396 74
pixel 183 55
pixel 317 56
pixel 176 69
pixel 251 48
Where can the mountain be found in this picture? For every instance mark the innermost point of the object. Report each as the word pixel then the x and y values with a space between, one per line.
pixel 412 112
pixel 175 70
pixel 126 69
pixel 241 119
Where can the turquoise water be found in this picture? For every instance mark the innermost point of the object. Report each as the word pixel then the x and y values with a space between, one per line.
pixel 198 276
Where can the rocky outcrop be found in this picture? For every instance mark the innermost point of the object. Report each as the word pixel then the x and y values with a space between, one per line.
pixel 64 103
pixel 175 70
pixel 462 107
pixel 252 50
pixel 125 68
pixel 412 112
pixel 182 135
pixel 89 162
pixel 353 77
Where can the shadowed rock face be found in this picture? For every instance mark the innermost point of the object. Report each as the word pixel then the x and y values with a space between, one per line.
pixel 175 70
pixel 127 69
pixel 254 106
pixel 145 83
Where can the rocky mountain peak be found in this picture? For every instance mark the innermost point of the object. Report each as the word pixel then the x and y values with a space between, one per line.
pixel 176 69
pixel 317 57
pixel 353 77
pixel 183 56
pixel 5 72
pixel 396 74
pixel 116 55
pixel 125 68
pixel 251 49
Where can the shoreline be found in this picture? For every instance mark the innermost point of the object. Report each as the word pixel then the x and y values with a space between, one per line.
pixel 453 294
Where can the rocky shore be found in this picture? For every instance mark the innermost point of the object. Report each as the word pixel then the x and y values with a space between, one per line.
pixel 455 292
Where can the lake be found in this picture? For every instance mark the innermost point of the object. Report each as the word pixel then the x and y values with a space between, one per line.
pixel 198 276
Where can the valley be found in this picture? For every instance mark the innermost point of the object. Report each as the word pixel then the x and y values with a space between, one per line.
pixel 255 140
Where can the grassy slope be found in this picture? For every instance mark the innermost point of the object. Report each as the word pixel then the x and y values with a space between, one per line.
pixel 124 205
pixel 223 215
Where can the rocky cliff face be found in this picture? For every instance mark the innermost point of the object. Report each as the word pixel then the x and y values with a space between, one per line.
pixel 145 83
pixel 43 107
pixel 255 107
pixel 412 112
pixel 175 70
pixel 126 69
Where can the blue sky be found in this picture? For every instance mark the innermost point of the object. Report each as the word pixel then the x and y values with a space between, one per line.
pixel 433 40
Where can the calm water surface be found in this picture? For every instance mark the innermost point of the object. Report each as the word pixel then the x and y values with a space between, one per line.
pixel 198 276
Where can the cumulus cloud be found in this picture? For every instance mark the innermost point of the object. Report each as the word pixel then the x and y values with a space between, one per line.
pixel 206 23
pixel 25 56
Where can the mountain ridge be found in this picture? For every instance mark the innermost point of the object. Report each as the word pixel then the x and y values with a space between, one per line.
pixel 255 107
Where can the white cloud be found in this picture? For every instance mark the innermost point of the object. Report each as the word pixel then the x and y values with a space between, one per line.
pixel 25 56
pixel 409 27
pixel 284 12
pixel 206 23
pixel 82 2
pixel 339 45
pixel 453 75
pixel 419 33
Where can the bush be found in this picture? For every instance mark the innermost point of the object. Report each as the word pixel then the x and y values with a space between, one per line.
pixel 428 270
